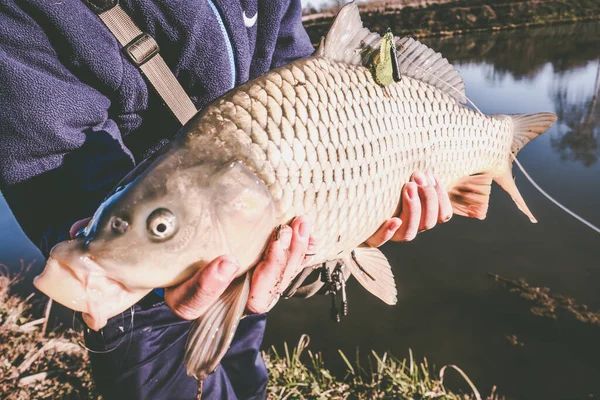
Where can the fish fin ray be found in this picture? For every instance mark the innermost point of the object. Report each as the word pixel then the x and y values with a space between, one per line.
pixel 527 127
pixel 349 42
pixel 418 61
pixel 507 182
pixel 210 335
pixel 347 38
pixel 374 272
pixel 471 195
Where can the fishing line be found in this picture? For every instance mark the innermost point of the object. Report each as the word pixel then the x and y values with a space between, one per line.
pixel 130 334
pixel 542 191
pixel 529 178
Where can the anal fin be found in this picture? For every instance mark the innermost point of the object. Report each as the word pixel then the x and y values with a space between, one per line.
pixel 210 335
pixel 507 182
pixel 373 271
pixel 470 196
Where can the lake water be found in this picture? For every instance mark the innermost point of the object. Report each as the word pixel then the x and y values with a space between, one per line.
pixel 449 309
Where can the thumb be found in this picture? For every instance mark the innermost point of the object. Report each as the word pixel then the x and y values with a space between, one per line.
pixel 191 298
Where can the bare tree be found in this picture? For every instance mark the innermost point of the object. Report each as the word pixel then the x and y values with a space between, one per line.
pixel 581 142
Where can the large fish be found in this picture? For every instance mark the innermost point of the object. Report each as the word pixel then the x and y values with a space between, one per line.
pixel 317 137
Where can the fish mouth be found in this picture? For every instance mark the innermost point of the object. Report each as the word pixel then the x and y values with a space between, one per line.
pixel 84 287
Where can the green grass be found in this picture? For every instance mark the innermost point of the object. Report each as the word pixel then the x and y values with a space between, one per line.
pixel 299 375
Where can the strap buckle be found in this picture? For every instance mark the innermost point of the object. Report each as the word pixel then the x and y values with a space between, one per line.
pixel 141 49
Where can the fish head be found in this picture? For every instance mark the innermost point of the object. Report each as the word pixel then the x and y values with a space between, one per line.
pixel 157 229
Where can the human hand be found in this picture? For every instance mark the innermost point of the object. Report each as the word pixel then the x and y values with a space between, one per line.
pixel 283 259
pixel 425 202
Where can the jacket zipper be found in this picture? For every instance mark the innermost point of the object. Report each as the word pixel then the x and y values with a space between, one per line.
pixel 228 44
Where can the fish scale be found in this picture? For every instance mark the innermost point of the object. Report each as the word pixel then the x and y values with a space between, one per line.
pixel 360 143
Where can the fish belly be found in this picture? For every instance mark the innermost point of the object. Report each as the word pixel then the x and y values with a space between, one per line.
pixel 332 144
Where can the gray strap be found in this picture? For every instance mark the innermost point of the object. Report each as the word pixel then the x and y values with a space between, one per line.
pixel 142 50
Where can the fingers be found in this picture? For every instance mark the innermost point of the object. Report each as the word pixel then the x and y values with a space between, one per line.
pixel 301 227
pixel 385 232
pixel 284 258
pixel 269 272
pixel 425 202
pixel 193 297
pixel 410 214
pixel 429 200
pixel 445 207
pixel 77 226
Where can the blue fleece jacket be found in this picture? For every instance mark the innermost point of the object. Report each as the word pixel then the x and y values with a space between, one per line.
pixel 76 115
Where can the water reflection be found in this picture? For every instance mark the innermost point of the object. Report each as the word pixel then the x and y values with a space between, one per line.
pixel 579 130
pixel 524 53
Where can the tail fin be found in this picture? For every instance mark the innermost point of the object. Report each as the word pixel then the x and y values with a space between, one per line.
pixel 526 127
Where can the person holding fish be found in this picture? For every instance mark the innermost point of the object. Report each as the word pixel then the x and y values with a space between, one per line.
pixel 78 116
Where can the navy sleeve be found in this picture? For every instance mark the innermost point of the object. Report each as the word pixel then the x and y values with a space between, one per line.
pixel 293 41
pixel 59 150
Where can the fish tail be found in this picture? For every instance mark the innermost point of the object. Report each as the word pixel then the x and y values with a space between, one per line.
pixel 210 336
pixel 526 127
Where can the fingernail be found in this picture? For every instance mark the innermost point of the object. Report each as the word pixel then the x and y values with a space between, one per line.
pixel 228 267
pixel 411 192
pixel 285 236
pixel 394 225
pixel 420 180
pixel 303 230
pixel 432 180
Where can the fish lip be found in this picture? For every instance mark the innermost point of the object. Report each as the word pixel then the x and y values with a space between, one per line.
pixel 76 299
pixel 92 280
pixel 83 285
pixel 66 268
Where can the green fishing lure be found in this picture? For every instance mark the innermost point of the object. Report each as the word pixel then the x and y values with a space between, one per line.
pixel 385 64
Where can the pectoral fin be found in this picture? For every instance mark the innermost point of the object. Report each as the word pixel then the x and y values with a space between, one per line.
pixel 210 335
pixel 470 197
pixel 372 270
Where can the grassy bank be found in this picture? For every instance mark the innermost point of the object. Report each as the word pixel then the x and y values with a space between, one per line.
pixel 462 16
pixel 295 375
pixel 54 366
pixel 34 365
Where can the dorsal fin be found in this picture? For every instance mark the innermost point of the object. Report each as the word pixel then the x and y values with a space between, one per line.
pixel 348 41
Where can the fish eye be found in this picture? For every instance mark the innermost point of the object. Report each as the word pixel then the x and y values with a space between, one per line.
pixel 162 224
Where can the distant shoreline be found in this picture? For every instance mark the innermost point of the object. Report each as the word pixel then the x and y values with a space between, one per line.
pixel 447 18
